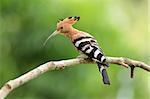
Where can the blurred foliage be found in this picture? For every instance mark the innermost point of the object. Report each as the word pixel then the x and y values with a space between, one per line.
pixel 120 27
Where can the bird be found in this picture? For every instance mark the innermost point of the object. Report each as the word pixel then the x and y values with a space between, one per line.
pixel 85 43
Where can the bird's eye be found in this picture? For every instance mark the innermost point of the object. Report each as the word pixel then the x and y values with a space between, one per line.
pixel 69 17
pixel 61 27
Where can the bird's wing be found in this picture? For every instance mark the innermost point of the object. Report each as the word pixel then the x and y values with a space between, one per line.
pixel 89 46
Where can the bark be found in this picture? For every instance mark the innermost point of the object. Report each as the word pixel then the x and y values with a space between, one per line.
pixel 55 65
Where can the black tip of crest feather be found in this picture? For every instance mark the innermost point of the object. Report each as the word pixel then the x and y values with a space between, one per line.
pixel 60 20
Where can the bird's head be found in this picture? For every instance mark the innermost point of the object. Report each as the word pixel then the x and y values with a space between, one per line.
pixel 64 26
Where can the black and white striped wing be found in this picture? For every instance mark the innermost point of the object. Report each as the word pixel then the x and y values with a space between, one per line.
pixel 89 46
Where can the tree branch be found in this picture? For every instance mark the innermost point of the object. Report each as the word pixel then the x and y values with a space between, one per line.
pixel 55 65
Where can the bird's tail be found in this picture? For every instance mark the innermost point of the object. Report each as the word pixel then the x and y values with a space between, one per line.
pixel 103 73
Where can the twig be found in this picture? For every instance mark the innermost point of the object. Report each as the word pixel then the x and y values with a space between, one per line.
pixel 54 65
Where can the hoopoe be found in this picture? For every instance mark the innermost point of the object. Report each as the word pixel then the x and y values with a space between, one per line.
pixel 84 42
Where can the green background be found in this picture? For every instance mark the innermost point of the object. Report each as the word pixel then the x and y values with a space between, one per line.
pixel 120 26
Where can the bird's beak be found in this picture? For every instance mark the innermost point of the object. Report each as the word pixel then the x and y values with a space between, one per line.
pixel 53 34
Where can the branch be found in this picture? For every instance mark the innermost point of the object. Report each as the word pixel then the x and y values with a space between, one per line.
pixel 55 65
